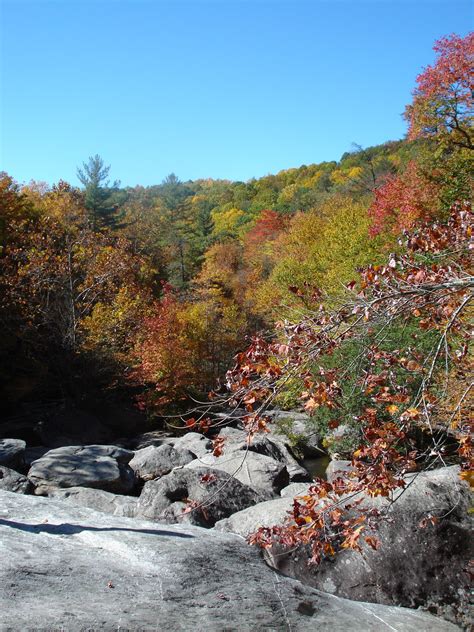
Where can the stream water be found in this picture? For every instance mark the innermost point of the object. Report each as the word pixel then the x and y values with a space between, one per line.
pixel 316 466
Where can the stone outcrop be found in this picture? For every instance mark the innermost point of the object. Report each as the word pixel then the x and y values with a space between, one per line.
pixel 70 568
pixel 414 564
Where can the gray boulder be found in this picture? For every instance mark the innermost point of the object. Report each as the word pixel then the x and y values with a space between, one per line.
pixel 271 445
pixel 71 568
pixel 295 489
pixel 166 499
pixel 98 500
pixel 98 466
pixel 266 514
pixel 155 461
pixel 414 564
pixel 12 481
pixel 262 473
pixel 338 468
pixel 196 443
pixel 12 452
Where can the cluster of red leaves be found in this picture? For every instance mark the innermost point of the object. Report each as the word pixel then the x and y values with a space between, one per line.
pixel 432 283
pixel 267 228
pixel 333 516
pixel 402 201
pixel 443 98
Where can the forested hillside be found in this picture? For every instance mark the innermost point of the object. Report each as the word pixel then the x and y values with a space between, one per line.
pixel 157 339
pixel 150 291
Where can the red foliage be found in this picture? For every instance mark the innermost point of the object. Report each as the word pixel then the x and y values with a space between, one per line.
pixel 435 290
pixel 402 201
pixel 267 228
pixel 443 99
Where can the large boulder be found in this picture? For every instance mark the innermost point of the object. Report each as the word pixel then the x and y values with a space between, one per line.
pixel 97 499
pixel 98 466
pixel 12 481
pixel 262 473
pixel 266 514
pixel 71 568
pixel 417 563
pixel 155 461
pixel 271 445
pixel 167 499
pixel 12 452
pixel 196 443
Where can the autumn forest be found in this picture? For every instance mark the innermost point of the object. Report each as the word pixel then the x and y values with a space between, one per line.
pixel 341 289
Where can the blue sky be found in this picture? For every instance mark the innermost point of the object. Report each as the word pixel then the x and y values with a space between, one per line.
pixel 207 88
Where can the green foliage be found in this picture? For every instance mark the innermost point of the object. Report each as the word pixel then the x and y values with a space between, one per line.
pixel 101 200
pixel 353 363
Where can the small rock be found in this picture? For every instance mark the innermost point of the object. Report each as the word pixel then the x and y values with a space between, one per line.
pixel 12 481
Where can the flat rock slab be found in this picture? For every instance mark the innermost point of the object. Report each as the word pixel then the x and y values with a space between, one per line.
pixel 98 466
pixel 70 568
pixel 98 499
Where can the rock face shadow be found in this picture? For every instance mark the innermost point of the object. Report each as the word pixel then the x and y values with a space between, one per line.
pixel 71 529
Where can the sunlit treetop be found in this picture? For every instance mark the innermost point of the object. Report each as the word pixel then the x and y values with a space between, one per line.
pixel 443 99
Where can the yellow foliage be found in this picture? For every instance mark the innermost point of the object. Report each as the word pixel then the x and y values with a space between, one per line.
pixel 227 222
pixel 323 248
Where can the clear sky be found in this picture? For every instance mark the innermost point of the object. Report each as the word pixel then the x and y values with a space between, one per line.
pixel 207 88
